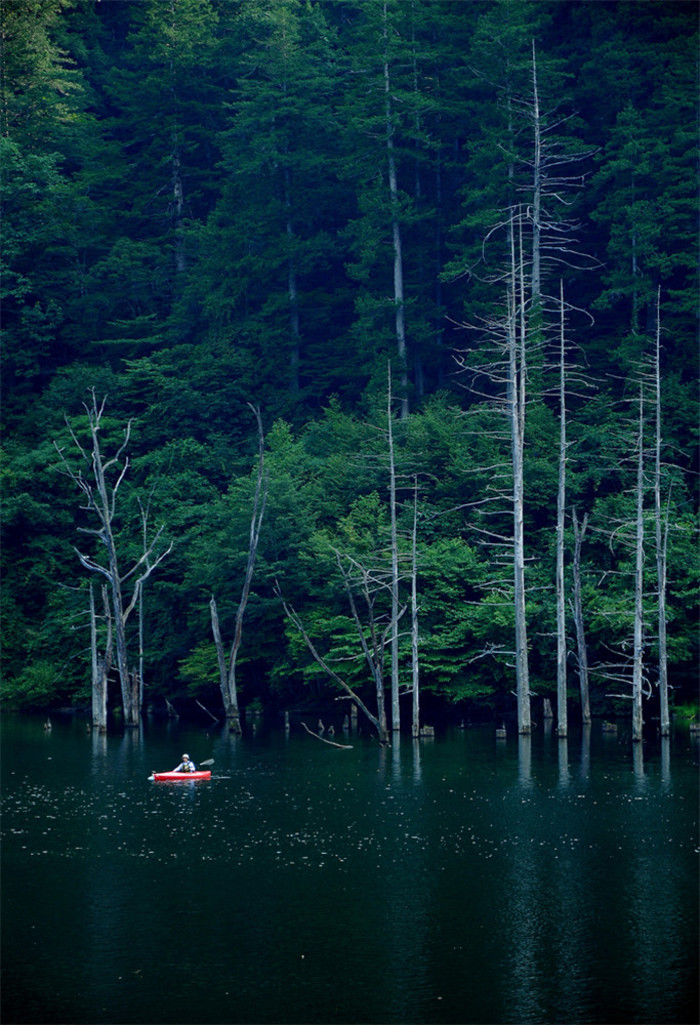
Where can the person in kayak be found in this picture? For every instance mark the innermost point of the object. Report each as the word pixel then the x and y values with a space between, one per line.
pixel 186 765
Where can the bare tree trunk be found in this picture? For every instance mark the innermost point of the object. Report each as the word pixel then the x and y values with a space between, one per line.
pixel 227 675
pixel 256 521
pixel 382 728
pixel 582 654
pixel 141 647
pixel 100 663
pixel 399 303
pixel 218 643
pixel 129 696
pixel 562 711
pixel 415 664
pixel 395 703
pixel 230 700
pixel 661 539
pixel 536 185
pixel 99 707
pixel 515 391
pixel 637 671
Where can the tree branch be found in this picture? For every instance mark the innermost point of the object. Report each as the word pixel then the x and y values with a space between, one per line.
pixel 343 747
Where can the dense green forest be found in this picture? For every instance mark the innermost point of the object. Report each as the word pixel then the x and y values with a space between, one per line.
pixel 447 251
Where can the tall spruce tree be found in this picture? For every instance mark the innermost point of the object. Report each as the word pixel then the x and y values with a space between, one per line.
pixel 269 256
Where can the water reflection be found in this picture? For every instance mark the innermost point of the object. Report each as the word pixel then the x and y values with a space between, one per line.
pixel 460 881
pixel 585 760
pixel 406 886
pixel 666 759
pixel 638 762
pixel 416 759
pixel 525 759
pixel 523 922
pixel 383 758
pixel 656 925
pixel 563 751
pixel 99 747
pixel 396 749
pixel 229 744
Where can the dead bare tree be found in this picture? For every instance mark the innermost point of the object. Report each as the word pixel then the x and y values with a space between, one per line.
pixel 577 603
pixel 550 182
pixel 518 334
pixel 508 331
pixel 370 584
pixel 661 535
pixel 638 664
pixel 649 376
pixel 628 667
pixel 101 659
pixel 415 662
pixel 516 337
pixel 99 479
pixel 227 670
pixel 379 720
pixel 562 703
pixel 395 703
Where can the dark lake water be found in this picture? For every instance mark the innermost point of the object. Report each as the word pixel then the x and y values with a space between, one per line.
pixel 457 880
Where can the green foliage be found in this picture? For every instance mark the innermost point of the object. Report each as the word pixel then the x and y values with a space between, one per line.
pixel 451 588
pixel 687 712
pixel 197 214
pixel 200 668
pixel 40 80
pixel 37 685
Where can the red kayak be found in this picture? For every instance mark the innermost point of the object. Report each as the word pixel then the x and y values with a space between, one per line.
pixel 203 774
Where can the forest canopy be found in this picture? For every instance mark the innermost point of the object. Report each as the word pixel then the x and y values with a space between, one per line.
pixel 447 249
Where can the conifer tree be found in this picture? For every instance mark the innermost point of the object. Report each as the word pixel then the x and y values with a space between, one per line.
pixel 164 103
pixel 390 107
pixel 269 249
